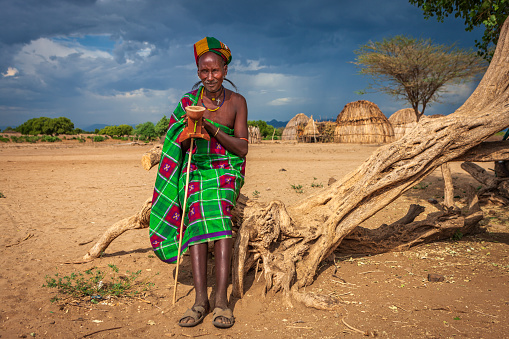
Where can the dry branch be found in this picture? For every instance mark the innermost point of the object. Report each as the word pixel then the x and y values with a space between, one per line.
pixel 139 220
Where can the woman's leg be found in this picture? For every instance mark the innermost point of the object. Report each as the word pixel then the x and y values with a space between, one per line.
pixel 222 254
pixel 199 267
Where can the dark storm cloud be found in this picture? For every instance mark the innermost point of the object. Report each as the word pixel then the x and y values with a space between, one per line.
pixel 129 61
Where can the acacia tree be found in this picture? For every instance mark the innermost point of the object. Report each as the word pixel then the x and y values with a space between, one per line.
pixel 416 70
pixel 490 13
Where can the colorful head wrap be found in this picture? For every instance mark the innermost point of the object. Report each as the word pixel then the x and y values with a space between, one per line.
pixel 209 44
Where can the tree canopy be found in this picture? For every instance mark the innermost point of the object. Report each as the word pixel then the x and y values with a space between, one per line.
pixel 490 13
pixel 146 130
pixel 162 126
pixel 119 130
pixel 44 125
pixel 416 70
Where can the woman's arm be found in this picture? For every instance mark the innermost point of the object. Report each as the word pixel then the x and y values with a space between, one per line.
pixel 233 143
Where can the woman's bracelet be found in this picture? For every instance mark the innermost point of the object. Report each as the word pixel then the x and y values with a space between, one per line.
pixel 244 139
pixel 216 132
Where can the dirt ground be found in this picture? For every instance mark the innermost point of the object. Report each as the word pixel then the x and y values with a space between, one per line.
pixel 59 198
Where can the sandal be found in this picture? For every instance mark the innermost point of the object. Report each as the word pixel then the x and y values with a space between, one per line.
pixel 225 313
pixel 197 313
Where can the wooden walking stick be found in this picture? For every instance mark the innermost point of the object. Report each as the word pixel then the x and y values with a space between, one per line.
pixel 194 129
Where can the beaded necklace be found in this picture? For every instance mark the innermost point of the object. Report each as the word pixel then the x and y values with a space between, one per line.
pixel 215 109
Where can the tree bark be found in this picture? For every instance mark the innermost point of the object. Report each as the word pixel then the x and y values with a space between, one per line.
pixel 497 189
pixel 292 241
pixel 151 157
pixel 448 186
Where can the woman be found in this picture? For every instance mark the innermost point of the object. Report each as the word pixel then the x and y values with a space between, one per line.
pixel 216 176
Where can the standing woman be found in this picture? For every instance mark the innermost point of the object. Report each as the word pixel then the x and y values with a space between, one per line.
pixel 216 176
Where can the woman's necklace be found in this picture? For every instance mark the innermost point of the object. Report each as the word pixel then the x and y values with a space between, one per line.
pixel 215 109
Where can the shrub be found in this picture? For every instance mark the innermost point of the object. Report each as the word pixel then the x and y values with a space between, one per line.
pixel 49 138
pixel 97 284
pixel 31 139
pixel 98 138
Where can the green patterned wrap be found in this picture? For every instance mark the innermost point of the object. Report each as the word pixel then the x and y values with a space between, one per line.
pixel 215 178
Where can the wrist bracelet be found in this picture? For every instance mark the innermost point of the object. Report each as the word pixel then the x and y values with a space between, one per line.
pixel 216 132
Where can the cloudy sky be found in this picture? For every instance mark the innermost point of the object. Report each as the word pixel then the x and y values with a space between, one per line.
pixel 129 61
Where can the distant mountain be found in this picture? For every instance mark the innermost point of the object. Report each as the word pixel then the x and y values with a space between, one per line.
pixel 92 128
pixel 277 123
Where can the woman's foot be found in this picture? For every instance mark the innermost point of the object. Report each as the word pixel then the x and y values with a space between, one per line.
pixel 193 316
pixel 223 318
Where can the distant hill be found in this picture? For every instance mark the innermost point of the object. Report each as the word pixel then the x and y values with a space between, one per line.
pixel 92 128
pixel 277 123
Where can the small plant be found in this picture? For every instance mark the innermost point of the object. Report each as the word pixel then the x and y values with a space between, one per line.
pixel 97 285
pixel 256 194
pixel 421 186
pixel 315 184
pixel 4 139
pixel 297 188
pixel 457 235
pixel 2 195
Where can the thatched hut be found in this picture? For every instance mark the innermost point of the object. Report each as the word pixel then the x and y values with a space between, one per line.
pixel 255 137
pixel 295 128
pixel 326 130
pixel 311 132
pixel 403 121
pixel 364 123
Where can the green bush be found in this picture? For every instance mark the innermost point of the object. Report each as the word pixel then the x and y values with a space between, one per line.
pixel 98 138
pixel 49 138
pixel 31 139
pixel 4 139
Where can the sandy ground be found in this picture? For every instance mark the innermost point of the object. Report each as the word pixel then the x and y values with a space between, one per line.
pixel 58 199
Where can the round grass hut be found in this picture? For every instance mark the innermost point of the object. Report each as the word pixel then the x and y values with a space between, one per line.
pixel 255 137
pixel 403 121
pixel 311 132
pixel 295 128
pixel 362 122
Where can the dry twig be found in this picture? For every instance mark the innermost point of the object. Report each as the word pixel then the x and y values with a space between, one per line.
pixel 106 329
pixel 366 333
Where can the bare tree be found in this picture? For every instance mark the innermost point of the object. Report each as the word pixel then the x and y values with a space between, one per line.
pixel 416 70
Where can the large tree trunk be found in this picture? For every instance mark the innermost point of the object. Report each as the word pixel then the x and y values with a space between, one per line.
pixel 292 241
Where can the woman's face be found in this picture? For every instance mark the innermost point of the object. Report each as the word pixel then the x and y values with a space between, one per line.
pixel 212 71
